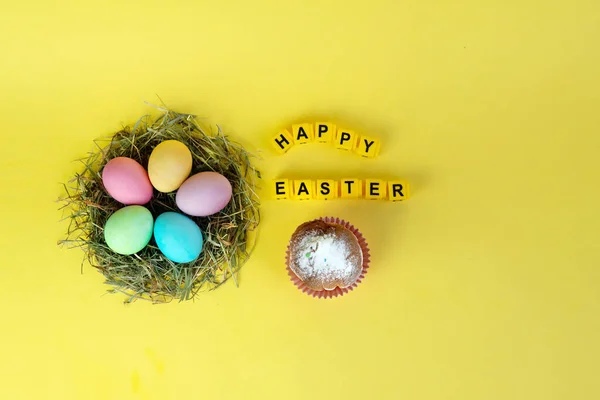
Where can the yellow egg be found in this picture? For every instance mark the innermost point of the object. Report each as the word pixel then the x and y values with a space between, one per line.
pixel 169 165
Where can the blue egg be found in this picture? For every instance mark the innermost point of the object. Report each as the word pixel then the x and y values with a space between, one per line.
pixel 178 237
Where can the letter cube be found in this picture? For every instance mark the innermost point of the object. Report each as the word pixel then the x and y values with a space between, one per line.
pixel 283 141
pixel 345 139
pixel 303 133
pixel 398 190
pixel 375 189
pixel 304 189
pixel 351 188
pixel 324 132
pixel 368 147
pixel 281 189
pixel 327 189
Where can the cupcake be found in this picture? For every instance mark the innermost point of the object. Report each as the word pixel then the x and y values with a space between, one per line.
pixel 327 257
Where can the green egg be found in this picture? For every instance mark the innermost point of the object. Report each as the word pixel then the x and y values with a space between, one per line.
pixel 129 230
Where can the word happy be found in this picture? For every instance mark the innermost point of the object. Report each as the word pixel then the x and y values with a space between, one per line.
pixel 326 132
pixel 328 189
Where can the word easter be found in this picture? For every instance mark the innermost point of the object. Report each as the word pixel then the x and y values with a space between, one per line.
pixel 326 132
pixel 328 189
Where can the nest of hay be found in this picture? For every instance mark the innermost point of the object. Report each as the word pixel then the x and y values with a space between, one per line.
pixel 228 235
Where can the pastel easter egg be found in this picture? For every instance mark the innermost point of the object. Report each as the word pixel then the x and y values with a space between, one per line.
pixel 129 230
pixel 169 165
pixel 203 194
pixel 127 181
pixel 178 237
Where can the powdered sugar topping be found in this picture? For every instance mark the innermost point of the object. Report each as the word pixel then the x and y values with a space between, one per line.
pixel 326 257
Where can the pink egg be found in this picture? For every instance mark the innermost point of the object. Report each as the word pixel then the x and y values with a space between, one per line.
pixel 127 181
pixel 203 194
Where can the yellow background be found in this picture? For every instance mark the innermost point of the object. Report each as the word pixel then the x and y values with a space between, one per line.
pixel 484 285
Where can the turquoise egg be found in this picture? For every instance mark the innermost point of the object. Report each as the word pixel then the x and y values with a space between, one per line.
pixel 129 229
pixel 178 237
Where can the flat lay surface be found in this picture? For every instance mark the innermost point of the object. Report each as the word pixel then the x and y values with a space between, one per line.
pixel 484 284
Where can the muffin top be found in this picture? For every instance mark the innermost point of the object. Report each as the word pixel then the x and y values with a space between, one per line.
pixel 325 256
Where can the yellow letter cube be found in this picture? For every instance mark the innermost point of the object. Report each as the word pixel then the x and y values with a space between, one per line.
pixel 326 189
pixel 283 141
pixel 368 147
pixel 398 190
pixel 303 133
pixel 304 189
pixel 351 188
pixel 281 189
pixel 324 132
pixel 375 189
pixel 345 139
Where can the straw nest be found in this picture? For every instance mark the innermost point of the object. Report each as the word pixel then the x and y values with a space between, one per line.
pixel 148 274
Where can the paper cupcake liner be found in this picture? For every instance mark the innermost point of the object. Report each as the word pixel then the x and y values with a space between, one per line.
pixel 328 294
